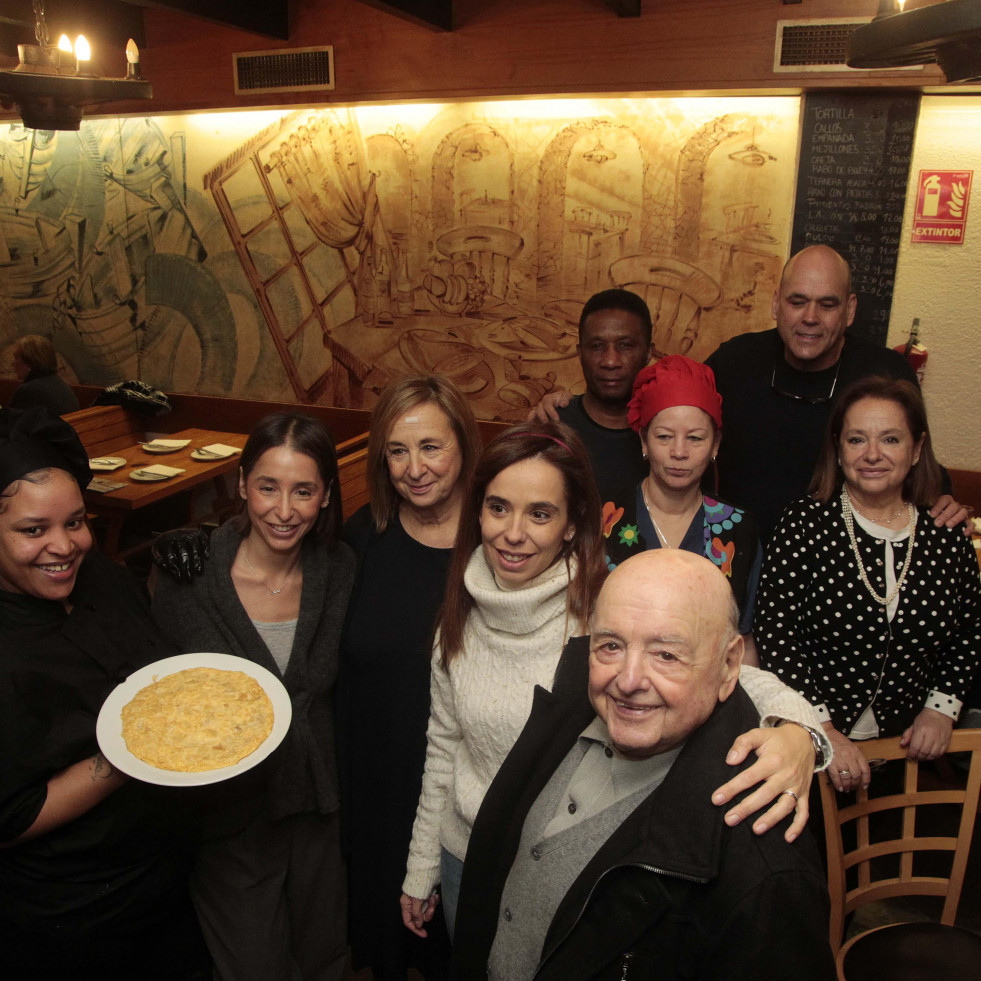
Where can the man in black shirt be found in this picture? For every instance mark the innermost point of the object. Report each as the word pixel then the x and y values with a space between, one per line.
pixel 614 344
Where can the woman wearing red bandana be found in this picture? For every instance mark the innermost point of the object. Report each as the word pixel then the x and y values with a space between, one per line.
pixel 677 412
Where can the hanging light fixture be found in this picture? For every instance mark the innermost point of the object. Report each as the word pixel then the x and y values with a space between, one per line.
pixel 599 154
pixel 53 84
pixel 948 33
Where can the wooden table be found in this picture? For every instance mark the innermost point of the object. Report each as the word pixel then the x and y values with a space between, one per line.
pixel 115 506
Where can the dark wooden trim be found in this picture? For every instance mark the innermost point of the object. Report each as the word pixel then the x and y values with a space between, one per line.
pixel 625 8
pixel 437 15
pixel 269 18
pixel 967 488
pixel 240 415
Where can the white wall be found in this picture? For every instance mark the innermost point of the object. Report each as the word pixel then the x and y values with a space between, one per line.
pixel 941 284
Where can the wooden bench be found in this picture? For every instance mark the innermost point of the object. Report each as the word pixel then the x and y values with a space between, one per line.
pixel 104 429
pixel 352 459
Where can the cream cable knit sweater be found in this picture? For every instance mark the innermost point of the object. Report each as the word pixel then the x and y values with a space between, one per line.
pixel 512 641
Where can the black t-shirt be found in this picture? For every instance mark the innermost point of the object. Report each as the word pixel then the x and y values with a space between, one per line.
pixel 771 441
pixel 615 453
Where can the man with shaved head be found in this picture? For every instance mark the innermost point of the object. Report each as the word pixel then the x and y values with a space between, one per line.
pixel 597 852
pixel 778 387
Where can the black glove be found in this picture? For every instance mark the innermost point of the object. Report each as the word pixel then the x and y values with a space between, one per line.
pixel 181 553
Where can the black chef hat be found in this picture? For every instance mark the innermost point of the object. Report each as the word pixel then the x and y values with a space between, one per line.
pixel 33 439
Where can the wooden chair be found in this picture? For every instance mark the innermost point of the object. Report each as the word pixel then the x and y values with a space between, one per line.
pixel 902 950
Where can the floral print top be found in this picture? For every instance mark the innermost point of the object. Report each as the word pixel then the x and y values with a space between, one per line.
pixel 721 532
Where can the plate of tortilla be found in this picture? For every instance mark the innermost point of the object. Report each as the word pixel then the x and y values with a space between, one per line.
pixel 193 719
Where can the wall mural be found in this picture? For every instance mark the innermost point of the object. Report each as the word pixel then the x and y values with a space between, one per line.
pixel 314 255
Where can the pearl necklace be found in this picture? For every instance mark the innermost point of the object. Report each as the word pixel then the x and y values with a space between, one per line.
pixel 846 513
pixel 271 592
pixel 875 520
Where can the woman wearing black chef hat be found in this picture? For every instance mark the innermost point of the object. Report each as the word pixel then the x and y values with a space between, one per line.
pixel 92 865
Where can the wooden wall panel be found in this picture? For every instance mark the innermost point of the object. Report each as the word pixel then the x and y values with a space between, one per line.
pixel 504 48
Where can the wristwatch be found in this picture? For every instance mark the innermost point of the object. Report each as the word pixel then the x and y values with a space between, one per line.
pixel 819 759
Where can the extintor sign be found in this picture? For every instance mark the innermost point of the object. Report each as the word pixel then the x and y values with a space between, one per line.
pixel 941 206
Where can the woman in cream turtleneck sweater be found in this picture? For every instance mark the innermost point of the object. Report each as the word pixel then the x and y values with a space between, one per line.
pixel 526 568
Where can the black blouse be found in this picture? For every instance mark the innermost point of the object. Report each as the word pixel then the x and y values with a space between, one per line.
pixel 111 866
pixel 819 629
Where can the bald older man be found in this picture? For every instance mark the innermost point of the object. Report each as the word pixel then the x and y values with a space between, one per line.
pixel 597 852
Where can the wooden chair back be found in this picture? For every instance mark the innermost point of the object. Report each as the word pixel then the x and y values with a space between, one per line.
pixel 877 883
pixel 352 459
pixel 105 428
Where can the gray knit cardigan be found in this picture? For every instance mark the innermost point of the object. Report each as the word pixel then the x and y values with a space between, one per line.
pixel 207 615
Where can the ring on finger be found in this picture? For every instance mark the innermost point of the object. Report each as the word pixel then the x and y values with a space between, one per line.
pixel 844 773
pixel 792 794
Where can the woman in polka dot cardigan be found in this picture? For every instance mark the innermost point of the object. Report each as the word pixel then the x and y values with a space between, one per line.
pixel 865 606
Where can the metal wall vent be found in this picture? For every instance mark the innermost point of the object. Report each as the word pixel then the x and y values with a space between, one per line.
pixel 814 45
pixel 284 70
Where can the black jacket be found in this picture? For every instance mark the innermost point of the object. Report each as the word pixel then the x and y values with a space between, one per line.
pixel 674 893
pixel 113 869
pixel 47 389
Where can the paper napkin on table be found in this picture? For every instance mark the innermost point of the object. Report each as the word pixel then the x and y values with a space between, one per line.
pixel 103 485
pixel 171 444
pixel 106 463
pixel 221 449
pixel 160 470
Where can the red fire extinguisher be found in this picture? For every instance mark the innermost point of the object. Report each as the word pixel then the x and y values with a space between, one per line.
pixel 913 351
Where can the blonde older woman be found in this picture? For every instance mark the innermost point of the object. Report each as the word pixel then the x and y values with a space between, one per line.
pixel 422 448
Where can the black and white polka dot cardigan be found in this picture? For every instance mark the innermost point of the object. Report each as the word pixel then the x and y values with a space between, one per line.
pixel 819 629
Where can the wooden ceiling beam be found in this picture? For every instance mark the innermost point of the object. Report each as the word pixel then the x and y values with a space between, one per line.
pixel 270 18
pixel 434 14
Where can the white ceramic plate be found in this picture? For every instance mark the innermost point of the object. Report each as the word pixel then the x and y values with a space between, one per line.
pixel 205 455
pixel 154 448
pixel 109 727
pixel 142 477
pixel 106 463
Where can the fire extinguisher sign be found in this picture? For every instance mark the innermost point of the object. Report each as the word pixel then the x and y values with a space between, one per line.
pixel 942 198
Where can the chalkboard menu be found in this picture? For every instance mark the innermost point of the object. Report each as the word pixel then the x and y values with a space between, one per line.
pixel 851 190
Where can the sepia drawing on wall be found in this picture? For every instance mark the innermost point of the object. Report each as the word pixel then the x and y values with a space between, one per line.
pixel 313 256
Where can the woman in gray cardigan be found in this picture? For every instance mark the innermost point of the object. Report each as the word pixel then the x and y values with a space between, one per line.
pixel 268 881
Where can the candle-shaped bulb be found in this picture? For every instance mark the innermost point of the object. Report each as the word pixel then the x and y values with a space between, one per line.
pixel 64 44
pixel 132 59
pixel 82 50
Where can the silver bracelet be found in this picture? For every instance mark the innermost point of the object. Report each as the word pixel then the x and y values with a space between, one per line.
pixel 819 760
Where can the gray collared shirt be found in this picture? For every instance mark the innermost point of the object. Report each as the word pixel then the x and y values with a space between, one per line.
pixel 590 794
